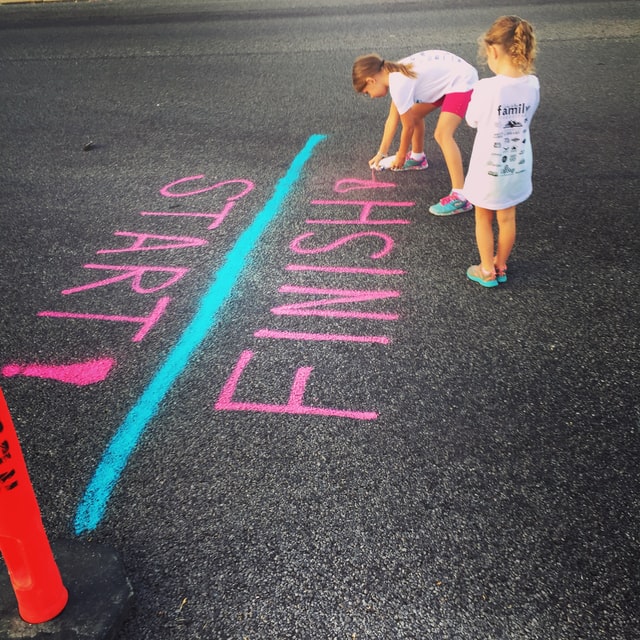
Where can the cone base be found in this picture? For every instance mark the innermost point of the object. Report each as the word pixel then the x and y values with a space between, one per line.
pixel 100 597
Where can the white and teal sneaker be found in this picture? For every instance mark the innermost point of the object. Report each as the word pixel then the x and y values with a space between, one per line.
pixel 409 164
pixel 415 165
pixel 450 205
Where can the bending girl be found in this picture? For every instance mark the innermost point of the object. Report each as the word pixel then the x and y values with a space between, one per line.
pixel 419 85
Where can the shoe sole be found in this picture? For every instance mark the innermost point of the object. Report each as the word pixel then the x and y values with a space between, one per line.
pixel 485 283
pixel 451 213
pixel 400 170
pixel 416 168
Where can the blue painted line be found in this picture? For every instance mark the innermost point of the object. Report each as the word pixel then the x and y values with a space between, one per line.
pixel 116 456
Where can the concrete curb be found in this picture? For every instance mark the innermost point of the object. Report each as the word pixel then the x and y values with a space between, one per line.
pixel 100 597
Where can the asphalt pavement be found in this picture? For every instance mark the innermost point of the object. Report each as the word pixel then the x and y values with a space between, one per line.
pixel 259 373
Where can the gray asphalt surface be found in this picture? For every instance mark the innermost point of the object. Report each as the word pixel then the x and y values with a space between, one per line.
pixel 495 494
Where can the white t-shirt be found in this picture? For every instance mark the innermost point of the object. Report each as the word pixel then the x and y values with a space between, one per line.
pixel 438 73
pixel 500 168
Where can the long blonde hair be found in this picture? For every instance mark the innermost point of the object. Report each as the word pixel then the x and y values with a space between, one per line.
pixel 369 65
pixel 516 37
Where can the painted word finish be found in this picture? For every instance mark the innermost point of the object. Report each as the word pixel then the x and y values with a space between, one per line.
pixel 141 242
pixel 326 303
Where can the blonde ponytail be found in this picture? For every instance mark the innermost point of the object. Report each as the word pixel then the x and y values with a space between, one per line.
pixel 517 38
pixel 523 48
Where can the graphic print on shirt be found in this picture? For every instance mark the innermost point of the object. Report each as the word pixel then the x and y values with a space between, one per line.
pixel 509 156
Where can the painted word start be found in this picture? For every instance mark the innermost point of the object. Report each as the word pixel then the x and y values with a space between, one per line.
pixel 329 303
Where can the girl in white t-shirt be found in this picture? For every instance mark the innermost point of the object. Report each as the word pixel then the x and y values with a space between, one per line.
pixel 419 85
pixel 499 176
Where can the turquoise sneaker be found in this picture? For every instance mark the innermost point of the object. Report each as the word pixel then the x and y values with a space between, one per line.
pixel 501 274
pixel 414 165
pixel 450 205
pixel 476 274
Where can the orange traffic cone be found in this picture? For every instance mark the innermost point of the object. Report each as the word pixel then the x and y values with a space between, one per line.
pixel 33 572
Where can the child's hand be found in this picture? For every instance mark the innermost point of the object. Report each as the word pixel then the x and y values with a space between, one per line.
pixel 397 163
pixel 375 161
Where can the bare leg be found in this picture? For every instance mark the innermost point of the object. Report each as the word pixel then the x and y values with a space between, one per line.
pixel 484 237
pixel 417 140
pixel 506 236
pixel 446 127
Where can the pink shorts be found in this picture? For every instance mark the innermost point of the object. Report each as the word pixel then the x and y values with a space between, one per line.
pixel 455 103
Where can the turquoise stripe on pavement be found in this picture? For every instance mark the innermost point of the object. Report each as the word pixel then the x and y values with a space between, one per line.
pixel 116 456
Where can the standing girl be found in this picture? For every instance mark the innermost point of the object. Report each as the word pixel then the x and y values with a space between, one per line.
pixel 419 85
pixel 499 176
